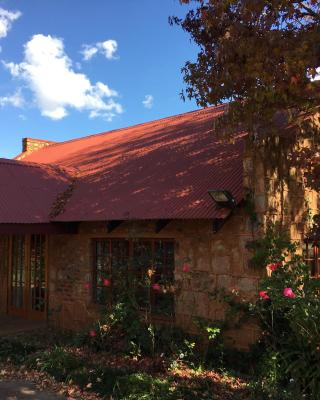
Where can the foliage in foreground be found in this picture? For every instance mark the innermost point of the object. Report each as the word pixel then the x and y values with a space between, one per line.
pixel 289 313
pixel 75 366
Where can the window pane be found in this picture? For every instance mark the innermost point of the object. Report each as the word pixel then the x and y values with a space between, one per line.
pixel 142 261
pixel 38 272
pixel 18 272
pixel 102 271
pixel 120 262
pixel 163 302
pixel 164 261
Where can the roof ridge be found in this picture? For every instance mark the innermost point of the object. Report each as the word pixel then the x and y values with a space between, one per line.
pixel 199 111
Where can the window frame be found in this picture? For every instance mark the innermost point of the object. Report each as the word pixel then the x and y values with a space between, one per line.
pixel 314 261
pixel 131 269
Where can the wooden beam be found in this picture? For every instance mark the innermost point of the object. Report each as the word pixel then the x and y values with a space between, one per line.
pixel 47 228
pixel 112 225
pixel 161 224
pixel 70 227
pixel 217 224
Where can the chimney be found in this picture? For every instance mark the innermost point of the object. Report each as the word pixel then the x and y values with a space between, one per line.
pixel 30 145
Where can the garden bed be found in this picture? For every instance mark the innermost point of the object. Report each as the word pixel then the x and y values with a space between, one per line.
pixel 56 362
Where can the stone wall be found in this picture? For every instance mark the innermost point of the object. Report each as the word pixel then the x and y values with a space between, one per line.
pixel 217 261
pixel 278 189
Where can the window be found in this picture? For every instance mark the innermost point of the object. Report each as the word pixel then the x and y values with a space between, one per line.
pixel 136 266
pixel 311 256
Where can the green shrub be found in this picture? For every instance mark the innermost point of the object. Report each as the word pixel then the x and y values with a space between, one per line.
pixel 57 362
pixel 15 350
pixel 67 367
pixel 143 387
pixel 121 328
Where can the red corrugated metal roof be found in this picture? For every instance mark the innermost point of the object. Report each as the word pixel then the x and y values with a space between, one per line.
pixel 28 191
pixel 157 170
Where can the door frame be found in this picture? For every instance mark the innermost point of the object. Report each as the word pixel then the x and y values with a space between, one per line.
pixel 26 311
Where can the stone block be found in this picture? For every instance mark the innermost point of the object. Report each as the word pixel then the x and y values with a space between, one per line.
pixel 219 247
pixel 237 260
pixel 247 285
pixel 248 164
pixel 202 282
pixel 224 282
pixel 216 310
pixel 193 304
pixel 240 338
pixel 260 185
pixel 203 263
pixel 221 264
pixel 260 203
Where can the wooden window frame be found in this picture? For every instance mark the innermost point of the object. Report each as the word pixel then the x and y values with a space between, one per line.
pixel 314 261
pixel 4 271
pixel 28 311
pixel 131 243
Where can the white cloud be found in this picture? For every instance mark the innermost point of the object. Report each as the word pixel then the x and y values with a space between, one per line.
pixel 88 52
pixel 15 100
pixel 13 68
pixel 108 48
pixel 6 19
pixel 48 72
pixel 148 101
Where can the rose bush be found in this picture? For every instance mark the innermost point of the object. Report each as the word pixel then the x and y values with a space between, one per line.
pixel 289 311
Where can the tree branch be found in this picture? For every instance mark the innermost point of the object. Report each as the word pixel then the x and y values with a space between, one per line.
pixel 310 11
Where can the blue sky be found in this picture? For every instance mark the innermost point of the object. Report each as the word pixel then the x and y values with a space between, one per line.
pixel 72 68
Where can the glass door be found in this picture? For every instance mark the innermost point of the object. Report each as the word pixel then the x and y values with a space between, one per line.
pixel 28 277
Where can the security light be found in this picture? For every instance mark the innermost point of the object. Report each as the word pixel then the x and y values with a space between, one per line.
pixel 223 198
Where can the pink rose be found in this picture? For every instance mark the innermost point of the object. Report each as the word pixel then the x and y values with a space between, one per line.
pixel 156 287
pixel 106 282
pixel 264 295
pixel 288 292
pixel 92 333
pixel 185 268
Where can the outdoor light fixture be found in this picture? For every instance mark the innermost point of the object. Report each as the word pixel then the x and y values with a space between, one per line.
pixel 223 198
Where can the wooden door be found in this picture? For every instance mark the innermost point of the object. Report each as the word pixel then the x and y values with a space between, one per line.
pixel 28 277
pixel 4 271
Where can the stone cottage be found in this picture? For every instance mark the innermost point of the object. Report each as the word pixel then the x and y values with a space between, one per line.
pixel 166 196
